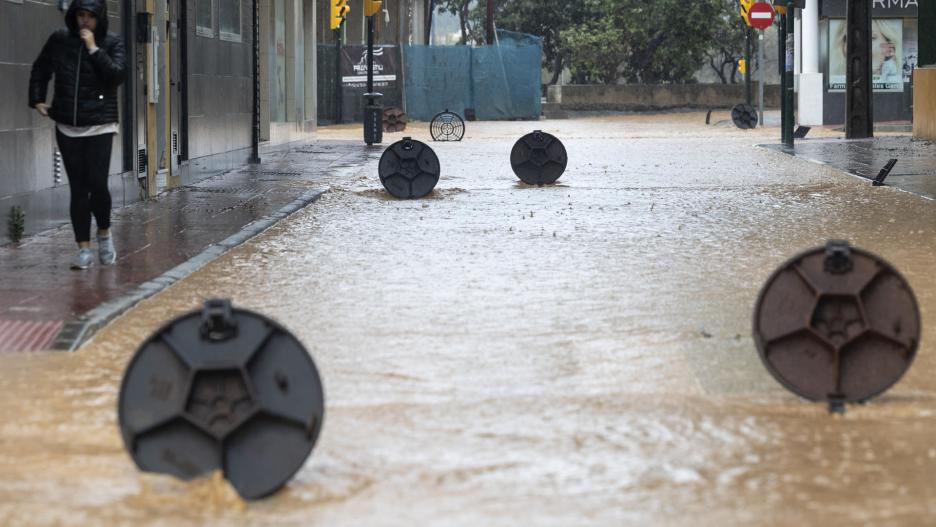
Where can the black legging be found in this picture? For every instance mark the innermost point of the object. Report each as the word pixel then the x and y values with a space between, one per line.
pixel 87 161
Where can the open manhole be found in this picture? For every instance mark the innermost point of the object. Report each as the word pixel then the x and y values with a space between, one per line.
pixel 837 324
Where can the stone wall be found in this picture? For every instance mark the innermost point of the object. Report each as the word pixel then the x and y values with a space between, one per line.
pixel 651 97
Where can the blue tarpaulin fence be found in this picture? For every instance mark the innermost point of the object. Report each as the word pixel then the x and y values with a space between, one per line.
pixel 499 82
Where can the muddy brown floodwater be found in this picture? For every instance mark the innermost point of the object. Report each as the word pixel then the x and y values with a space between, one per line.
pixel 500 355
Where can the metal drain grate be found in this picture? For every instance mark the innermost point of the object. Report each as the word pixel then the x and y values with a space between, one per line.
pixel 224 190
pixel 275 173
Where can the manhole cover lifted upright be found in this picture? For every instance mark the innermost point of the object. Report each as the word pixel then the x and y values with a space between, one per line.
pixel 447 126
pixel 744 116
pixel 539 158
pixel 837 324
pixel 409 169
pixel 394 119
pixel 226 389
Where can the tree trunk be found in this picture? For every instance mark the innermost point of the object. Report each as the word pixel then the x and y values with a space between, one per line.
pixel 557 70
pixel 463 24
pixel 718 71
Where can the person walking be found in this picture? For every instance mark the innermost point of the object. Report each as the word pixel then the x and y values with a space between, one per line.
pixel 88 64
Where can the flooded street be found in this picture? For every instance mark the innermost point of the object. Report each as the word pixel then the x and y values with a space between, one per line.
pixel 505 355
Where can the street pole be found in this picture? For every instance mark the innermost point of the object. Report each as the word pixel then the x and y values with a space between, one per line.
pixel 859 113
pixel 781 35
pixel 255 131
pixel 338 73
pixel 760 71
pixel 748 66
pixel 788 86
pixel 370 59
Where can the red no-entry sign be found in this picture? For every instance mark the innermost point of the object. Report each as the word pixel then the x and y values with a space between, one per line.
pixel 761 15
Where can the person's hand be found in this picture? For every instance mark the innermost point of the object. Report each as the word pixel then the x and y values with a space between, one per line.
pixel 87 36
pixel 43 109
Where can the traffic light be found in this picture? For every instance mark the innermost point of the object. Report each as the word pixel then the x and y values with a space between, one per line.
pixel 372 7
pixel 339 10
pixel 742 67
pixel 745 8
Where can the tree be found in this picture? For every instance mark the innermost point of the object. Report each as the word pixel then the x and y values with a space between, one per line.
pixel 596 48
pixel 546 19
pixel 729 37
pixel 639 41
pixel 461 9
pixel 653 41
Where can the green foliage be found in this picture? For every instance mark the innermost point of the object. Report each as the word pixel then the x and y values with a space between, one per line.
pixel 728 37
pixel 604 41
pixel 546 19
pixel 596 49
pixel 660 40
pixel 461 9
pixel 17 223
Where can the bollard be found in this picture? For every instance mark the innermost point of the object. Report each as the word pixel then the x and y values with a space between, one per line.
pixel 373 118
pixel 539 158
pixel 837 324
pixel 222 388
pixel 409 169
pixel 744 116
pixel 447 126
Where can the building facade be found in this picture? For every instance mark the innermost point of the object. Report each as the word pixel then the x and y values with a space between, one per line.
pixel 820 60
pixel 187 103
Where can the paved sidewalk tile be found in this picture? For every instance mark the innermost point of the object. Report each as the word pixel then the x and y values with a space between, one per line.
pixel 44 303
pixel 914 172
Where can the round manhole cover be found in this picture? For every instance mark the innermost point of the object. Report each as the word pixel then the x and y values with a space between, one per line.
pixel 226 389
pixel 837 324
pixel 447 126
pixel 538 158
pixel 744 116
pixel 409 169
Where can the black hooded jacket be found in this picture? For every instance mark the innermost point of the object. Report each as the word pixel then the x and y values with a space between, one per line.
pixel 85 91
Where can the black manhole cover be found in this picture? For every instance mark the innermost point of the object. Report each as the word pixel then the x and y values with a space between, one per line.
pixel 538 158
pixel 447 126
pixel 837 324
pixel 222 388
pixel 744 116
pixel 409 169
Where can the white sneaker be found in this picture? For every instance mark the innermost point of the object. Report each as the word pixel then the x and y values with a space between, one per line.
pixel 106 252
pixel 83 260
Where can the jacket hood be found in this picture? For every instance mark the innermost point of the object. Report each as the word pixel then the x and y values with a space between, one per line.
pixel 98 7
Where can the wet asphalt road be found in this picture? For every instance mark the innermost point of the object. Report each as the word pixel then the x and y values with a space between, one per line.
pixel 498 354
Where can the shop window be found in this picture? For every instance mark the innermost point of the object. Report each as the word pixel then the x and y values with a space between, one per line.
pixel 231 20
pixel 204 18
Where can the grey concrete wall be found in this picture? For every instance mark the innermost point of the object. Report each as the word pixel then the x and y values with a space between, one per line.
pixel 27 140
pixel 220 88
pixel 654 97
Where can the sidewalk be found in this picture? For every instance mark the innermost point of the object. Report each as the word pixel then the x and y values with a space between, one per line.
pixel 44 304
pixel 914 172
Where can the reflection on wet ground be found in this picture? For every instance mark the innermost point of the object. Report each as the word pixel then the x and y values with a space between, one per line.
pixel 570 355
pixel 914 171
